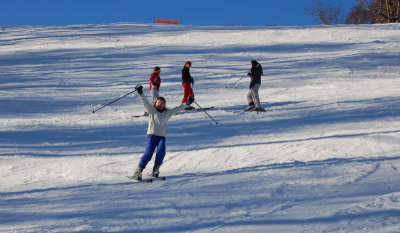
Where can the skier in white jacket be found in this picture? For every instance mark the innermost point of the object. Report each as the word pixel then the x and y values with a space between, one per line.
pixel 158 120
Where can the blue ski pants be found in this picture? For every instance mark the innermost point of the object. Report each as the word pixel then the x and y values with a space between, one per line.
pixel 153 142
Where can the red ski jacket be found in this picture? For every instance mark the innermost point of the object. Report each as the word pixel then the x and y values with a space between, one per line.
pixel 155 79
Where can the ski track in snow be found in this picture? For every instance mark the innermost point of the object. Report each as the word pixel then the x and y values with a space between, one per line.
pixel 325 159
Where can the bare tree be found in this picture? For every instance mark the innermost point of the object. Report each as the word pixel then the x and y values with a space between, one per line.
pixel 382 11
pixel 325 11
pixel 359 15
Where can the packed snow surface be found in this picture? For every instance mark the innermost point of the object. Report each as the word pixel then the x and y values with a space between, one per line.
pixel 325 157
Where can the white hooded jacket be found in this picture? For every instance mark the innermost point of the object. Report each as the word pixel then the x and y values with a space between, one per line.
pixel 158 120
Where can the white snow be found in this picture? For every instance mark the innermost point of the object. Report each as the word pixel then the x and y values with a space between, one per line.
pixel 326 159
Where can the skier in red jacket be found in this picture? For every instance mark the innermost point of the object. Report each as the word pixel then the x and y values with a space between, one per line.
pixel 155 83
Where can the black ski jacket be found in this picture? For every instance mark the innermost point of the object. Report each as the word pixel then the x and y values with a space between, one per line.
pixel 186 77
pixel 255 75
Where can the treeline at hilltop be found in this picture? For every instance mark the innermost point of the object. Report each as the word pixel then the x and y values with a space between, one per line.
pixel 365 12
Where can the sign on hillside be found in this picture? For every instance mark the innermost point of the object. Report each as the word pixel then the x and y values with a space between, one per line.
pixel 167 21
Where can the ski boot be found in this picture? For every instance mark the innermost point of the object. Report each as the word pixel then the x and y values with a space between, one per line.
pixel 138 173
pixel 258 109
pixel 250 107
pixel 156 170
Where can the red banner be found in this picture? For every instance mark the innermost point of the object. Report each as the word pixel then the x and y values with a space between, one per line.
pixel 167 21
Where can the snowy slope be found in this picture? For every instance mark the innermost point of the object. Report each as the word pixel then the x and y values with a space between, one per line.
pixel 325 159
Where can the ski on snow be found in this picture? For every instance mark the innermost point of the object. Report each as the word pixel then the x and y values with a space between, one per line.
pixel 149 180
pixel 198 109
pixel 260 111
pixel 142 115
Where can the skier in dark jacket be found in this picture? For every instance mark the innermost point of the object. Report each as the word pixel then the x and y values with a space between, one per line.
pixel 255 82
pixel 187 82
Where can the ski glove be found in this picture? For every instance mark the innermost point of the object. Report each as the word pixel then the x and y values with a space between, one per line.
pixel 139 89
pixel 190 100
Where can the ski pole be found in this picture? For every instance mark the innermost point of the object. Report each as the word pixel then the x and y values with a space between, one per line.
pixel 235 82
pixel 114 101
pixel 216 122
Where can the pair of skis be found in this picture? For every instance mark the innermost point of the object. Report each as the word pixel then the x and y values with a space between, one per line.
pixel 149 180
pixel 211 108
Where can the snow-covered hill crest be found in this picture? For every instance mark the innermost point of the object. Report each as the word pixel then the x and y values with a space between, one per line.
pixel 326 158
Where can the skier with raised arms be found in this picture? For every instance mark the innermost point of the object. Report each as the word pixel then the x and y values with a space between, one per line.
pixel 159 115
